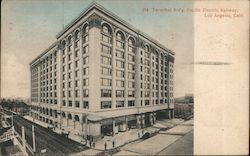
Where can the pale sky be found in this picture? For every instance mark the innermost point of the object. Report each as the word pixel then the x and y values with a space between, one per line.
pixel 29 27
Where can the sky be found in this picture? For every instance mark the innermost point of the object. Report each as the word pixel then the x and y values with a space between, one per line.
pixel 28 27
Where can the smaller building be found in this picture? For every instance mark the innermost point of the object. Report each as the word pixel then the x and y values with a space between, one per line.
pixel 183 110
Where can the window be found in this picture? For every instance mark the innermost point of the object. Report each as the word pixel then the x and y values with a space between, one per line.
pixel 85 71
pixel 106 49
pixel 119 64
pixel 120 54
pixel 119 73
pixel 131 75
pixel 69 75
pixel 106 29
pixel 131 49
pixel 106 60
pixel 85 104
pixel 119 83
pixel 120 44
pixel 119 104
pixel 131 41
pixel 63 68
pixel 76 64
pixel 69 84
pixel 76 53
pixel 85 29
pixel 105 104
pixel 146 102
pixel 106 82
pixel 77 43
pixel 77 104
pixel 131 58
pixel 76 93
pixel 131 84
pixel 76 73
pixel 120 36
pixel 131 103
pixel 69 93
pixel 85 60
pixel 64 103
pixel 69 66
pixel 106 38
pixel 85 49
pixel 131 93
pixel 70 103
pixel 106 71
pixel 69 57
pixel 147 93
pixel 85 38
pixel 85 93
pixel 85 82
pixel 106 93
pixel 131 67
pixel 76 83
pixel 119 93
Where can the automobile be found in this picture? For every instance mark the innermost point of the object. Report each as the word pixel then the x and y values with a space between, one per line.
pixel 50 127
pixel 65 133
pixel 146 136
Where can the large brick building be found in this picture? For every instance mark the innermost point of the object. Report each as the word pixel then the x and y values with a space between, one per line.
pixel 102 75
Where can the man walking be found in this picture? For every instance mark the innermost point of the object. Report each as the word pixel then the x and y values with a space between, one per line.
pixel 105 146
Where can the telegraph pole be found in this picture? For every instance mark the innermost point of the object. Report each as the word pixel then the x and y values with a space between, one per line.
pixel 23 138
pixel 33 138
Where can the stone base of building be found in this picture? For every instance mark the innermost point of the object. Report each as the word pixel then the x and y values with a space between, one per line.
pixel 101 127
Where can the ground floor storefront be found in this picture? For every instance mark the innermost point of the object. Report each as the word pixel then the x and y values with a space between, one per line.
pixel 94 127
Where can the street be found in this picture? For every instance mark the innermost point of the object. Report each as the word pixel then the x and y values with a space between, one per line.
pixel 183 146
pixel 54 143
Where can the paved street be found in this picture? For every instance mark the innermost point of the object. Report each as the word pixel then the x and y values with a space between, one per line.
pixel 54 144
pixel 183 146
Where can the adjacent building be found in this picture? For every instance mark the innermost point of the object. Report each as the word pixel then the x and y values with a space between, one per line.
pixel 102 76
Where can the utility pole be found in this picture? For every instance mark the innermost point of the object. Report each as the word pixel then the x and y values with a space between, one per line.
pixel 12 123
pixel 86 126
pixel 23 138
pixel 33 138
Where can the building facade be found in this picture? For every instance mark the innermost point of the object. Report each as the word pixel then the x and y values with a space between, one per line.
pixel 102 76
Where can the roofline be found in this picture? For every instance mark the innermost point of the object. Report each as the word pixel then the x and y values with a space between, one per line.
pixel 100 8
pixel 44 52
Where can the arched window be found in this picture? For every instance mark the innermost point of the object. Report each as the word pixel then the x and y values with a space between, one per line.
pixel 63 114
pixel 77 34
pixel 69 39
pixel 120 36
pixel 63 44
pixel 69 116
pixel 76 118
pixel 85 29
pixel 147 48
pixel 131 41
pixel 106 29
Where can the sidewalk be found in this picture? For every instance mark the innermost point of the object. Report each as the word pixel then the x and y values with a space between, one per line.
pixel 123 138
pixel 162 140
pixel 57 130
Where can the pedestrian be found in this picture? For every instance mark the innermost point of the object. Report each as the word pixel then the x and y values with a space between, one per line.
pixel 105 145
pixel 93 144
pixel 113 143
pixel 90 144
pixel 138 134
